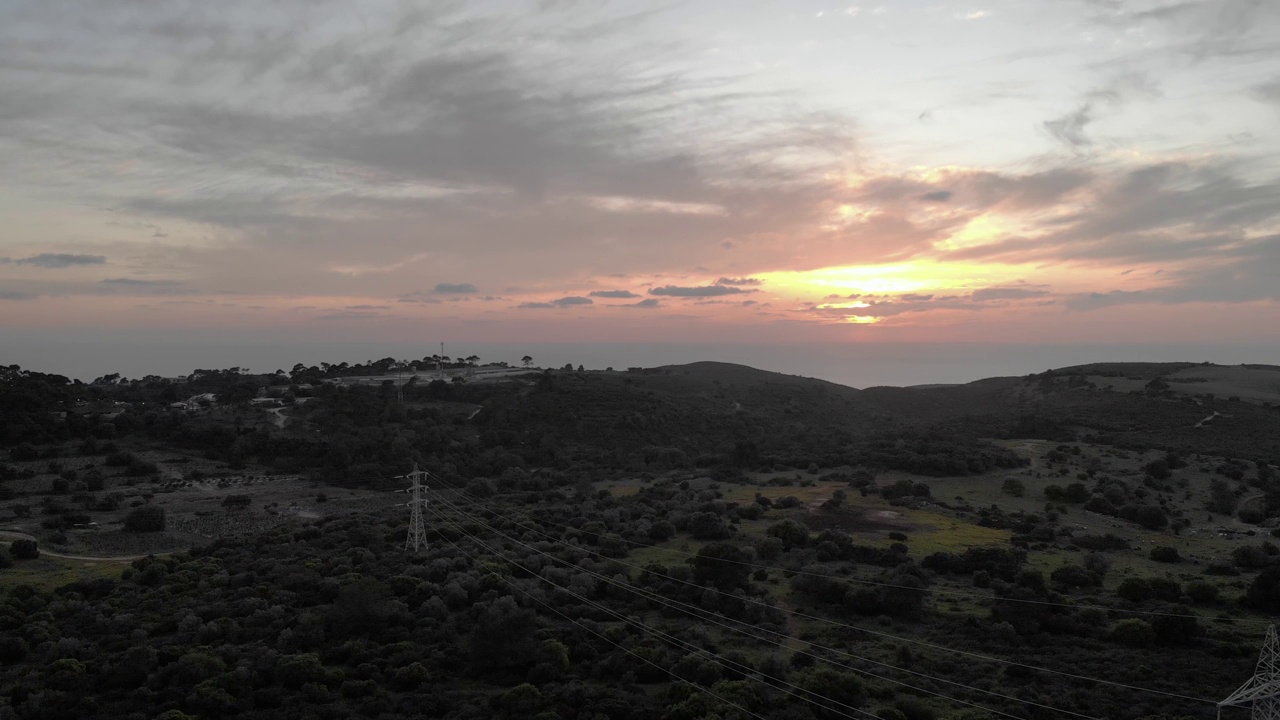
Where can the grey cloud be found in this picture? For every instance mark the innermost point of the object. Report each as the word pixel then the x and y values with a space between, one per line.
pixel 54 261
pixel 1069 128
pixel 1005 293
pixel 1242 273
pixel 455 288
pixel 17 295
pixel 1269 91
pixel 979 190
pixel 702 291
pixel 619 294
pixel 1160 212
pixel 740 281
pixel 349 315
pixel 136 283
pixel 646 303
pixel 464 137
pixel 1204 28
pixel 367 307
pixel 564 302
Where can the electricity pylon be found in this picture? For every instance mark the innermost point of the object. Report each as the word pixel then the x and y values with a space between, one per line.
pixel 1262 691
pixel 417 537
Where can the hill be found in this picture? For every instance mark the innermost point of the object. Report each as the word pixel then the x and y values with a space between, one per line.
pixel 682 542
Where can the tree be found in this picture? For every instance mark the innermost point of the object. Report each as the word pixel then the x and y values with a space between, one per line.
pixel 1015 487
pixel 1263 594
pixel 661 530
pixel 1137 633
pixel 503 635
pixel 1222 499
pixel 526 360
pixel 791 533
pixel 24 550
pixel 722 564
pixel 708 526
pixel 145 519
pixel 1158 469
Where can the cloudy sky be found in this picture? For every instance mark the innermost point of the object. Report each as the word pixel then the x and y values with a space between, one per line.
pixel 1091 171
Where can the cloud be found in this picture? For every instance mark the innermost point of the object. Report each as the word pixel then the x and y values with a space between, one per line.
pixel 468 140
pixel 1005 293
pixel 17 295
pixel 620 294
pixel 455 288
pixel 703 291
pixel 646 303
pixel 349 315
pixel 1069 128
pixel 1158 212
pixel 937 196
pixel 136 283
pixel 53 261
pixel 419 297
pixel 564 302
pixel 1268 91
pixel 740 281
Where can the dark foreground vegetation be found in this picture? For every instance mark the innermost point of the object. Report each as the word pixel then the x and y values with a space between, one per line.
pixel 696 542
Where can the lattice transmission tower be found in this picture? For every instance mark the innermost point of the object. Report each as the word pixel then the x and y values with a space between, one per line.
pixel 417 536
pixel 1262 691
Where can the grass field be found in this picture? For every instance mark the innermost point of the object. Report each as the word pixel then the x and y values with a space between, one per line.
pixel 48 573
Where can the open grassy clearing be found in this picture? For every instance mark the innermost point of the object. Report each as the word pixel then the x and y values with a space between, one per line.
pixel 48 573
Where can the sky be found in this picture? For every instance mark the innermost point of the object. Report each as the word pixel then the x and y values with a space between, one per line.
pixel 721 174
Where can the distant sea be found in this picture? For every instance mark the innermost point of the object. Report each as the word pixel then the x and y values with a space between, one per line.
pixel 856 365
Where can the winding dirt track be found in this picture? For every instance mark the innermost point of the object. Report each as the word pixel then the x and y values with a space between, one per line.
pixel 14 535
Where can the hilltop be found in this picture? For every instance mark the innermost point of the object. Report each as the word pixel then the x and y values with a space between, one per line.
pixel 252 543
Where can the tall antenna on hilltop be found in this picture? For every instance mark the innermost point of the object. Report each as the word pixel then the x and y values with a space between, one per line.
pixel 1262 691
pixel 417 537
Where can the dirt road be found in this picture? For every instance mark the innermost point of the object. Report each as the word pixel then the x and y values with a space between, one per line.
pixel 14 535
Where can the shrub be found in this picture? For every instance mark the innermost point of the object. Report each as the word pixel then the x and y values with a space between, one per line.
pixel 661 531
pixel 1073 576
pixel 1165 554
pixel 1132 632
pixel 145 519
pixel 1151 517
pixel 1135 590
pixel 24 549
pixel 1263 594
pixel 791 533
pixel 1202 592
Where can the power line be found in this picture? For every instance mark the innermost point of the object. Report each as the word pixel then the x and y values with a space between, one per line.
pixel 715 657
pixel 936 591
pixel 852 627
pixel 668 603
pixel 629 651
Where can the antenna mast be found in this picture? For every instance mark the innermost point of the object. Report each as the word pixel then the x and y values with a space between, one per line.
pixel 1262 691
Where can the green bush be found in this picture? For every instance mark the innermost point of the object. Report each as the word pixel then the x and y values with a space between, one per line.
pixel 147 518
pixel 1132 632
